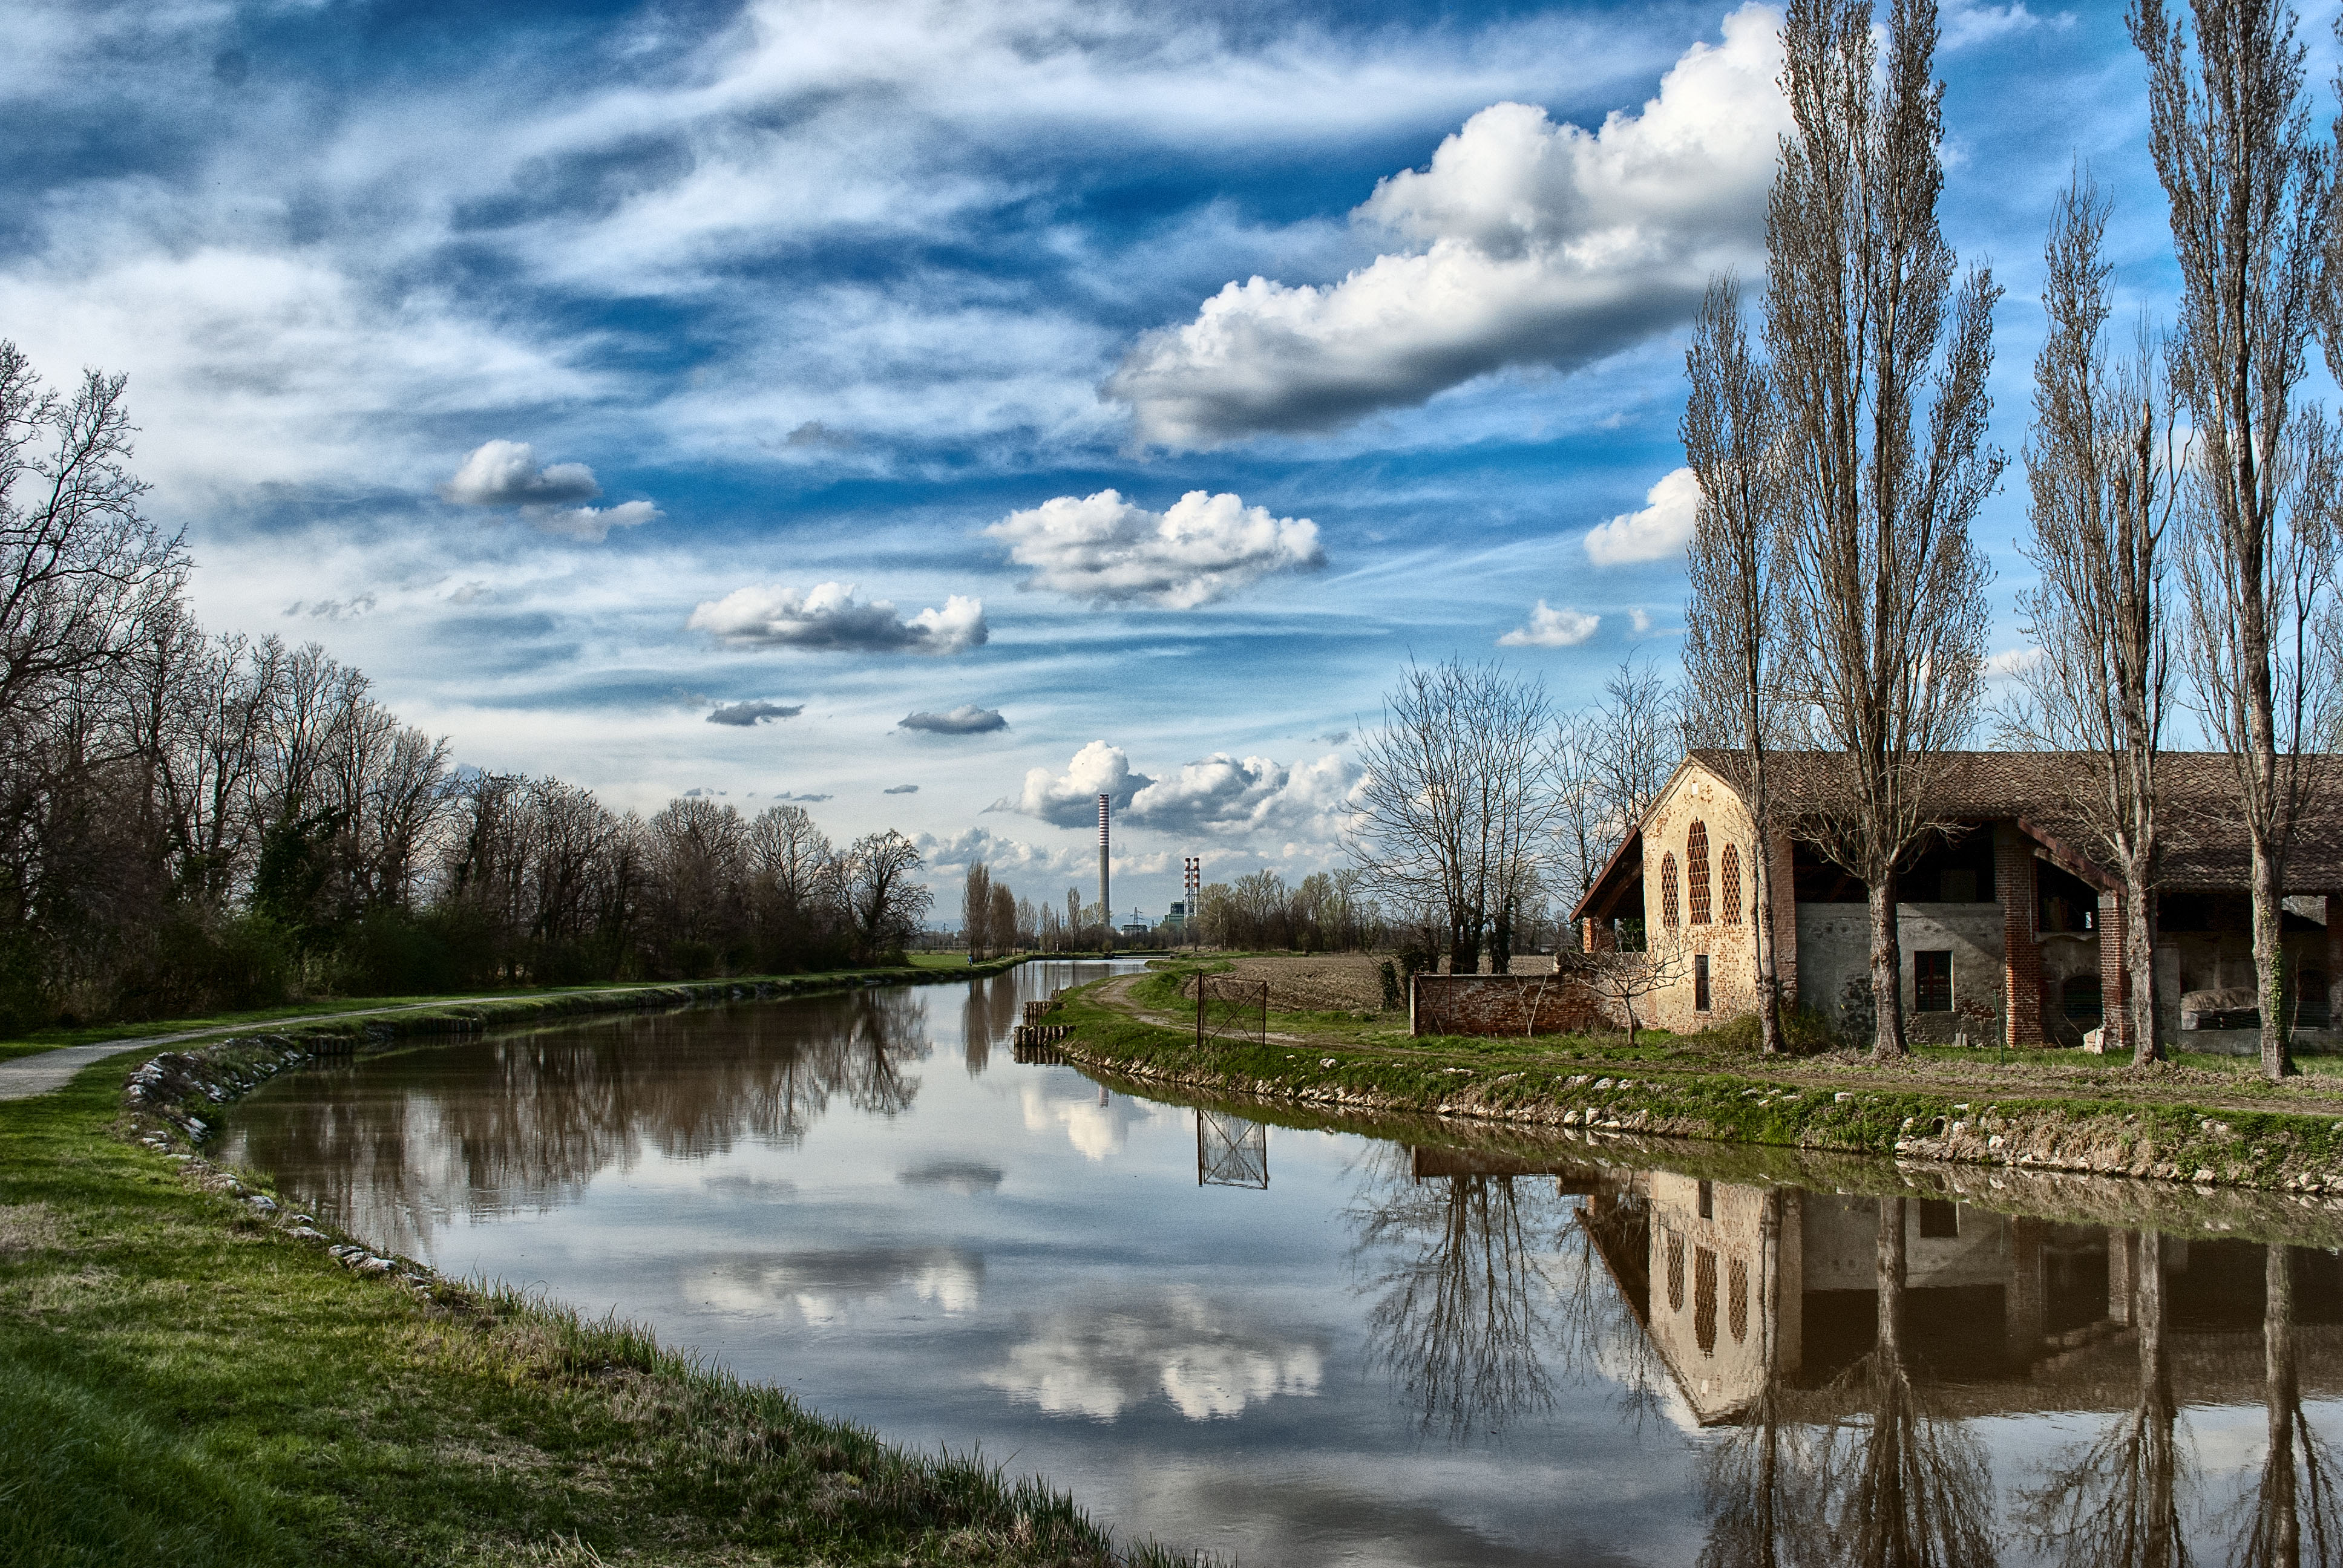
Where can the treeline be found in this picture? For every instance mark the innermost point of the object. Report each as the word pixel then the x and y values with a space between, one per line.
pixel 190 822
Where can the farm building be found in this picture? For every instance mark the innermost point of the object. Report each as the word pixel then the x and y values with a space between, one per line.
pixel 2009 918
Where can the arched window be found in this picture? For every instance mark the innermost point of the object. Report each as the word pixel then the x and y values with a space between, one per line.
pixel 1668 890
pixel 1696 871
pixel 1736 1303
pixel 1676 1272
pixel 1728 884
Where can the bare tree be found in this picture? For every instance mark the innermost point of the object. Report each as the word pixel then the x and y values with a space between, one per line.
pixel 884 905
pixel 976 908
pixel 1883 424
pixel 1001 927
pixel 1737 634
pixel 1457 810
pixel 2251 191
pixel 2101 464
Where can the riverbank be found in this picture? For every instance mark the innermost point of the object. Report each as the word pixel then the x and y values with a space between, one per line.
pixel 198 1375
pixel 2193 1124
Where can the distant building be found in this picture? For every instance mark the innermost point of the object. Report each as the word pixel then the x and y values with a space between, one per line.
pixel 1176 922
pixel 2010 924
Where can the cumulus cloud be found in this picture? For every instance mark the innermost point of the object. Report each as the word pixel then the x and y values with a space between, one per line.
pixel 1660 529
pixel 506 474
pixel 900 790
pixel 748 715
pixel 1527 243
pixel 968 718
pixel 830 618
pixel 1562 628
pixel 1639 621
pixel 1106 549
pixel 593 523
pixel 948 859
pixel 1070 800
pixel 1218 794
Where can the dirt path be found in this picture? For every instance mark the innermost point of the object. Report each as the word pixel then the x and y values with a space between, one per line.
pixel 45 1072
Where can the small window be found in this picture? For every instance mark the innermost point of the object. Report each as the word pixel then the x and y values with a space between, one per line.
pixel 1700 982
pixel 1696 871
pixel 1668 890
pixel 1675 1273
pixel 1708 1199
pixel 1939 1220
pixel 1737 1300
pixel 1728 884
pixel 1931 982
pixel 1703 1300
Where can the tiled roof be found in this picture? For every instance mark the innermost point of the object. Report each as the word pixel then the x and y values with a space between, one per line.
pixel 2204 835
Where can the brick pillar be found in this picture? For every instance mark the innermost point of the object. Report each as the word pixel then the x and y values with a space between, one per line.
pixel 2115 975
pixel 2022 1296
pixel 1600 938
pixel 2021 954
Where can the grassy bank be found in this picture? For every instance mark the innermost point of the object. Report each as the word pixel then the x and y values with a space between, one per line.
pixel 193 1377
pixel 2201 1123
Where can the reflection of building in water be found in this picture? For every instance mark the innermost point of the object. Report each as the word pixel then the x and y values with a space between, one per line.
pixel 1230 1151
pixel 2001 1313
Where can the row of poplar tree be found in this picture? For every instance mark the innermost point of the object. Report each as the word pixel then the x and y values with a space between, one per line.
pixel 190 822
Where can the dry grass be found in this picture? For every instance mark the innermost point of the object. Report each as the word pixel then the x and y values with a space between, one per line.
pixel 27 1228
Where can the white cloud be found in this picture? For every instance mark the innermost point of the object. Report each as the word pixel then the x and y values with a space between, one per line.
pixel 1660 529
pixel 506 474
pixel 830 618
pixel 968 718
pixel 1639 621
pixel 2016 661
pixel 1535 243
pixel 1552 628
pixel 1220 794
pixel 1104 549
pixel 748 715
pixel 593 523
pixel 948 859
pixel 1070 800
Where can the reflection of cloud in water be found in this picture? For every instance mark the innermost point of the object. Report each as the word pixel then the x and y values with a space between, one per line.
pixel 1095 1130
pixel 825 1286
pixel 1101 1358
pixel 968 1176
pixel 755 1189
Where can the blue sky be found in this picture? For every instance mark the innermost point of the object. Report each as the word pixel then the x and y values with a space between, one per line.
pixel 587 373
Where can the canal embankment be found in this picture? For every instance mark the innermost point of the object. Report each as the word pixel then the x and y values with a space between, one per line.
pixel 200 1373
pixel 2188 1125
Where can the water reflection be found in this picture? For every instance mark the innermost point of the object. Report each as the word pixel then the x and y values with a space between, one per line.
pixel 1426 1354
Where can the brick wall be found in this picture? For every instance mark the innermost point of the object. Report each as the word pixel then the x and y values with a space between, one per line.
pixel 1501 1004
pixel 2013 886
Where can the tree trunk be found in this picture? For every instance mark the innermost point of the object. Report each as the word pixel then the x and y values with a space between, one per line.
pixel 1886 971
pixel 2270 963
pixel 1769 982
pixel 2139 963
pixel 1501 942
pixel 2161 1460
pixel 2281 1518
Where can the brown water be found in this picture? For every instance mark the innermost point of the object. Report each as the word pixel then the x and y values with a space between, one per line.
pixel 1296 1345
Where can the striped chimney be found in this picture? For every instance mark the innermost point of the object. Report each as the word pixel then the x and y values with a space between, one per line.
pixel 1106 909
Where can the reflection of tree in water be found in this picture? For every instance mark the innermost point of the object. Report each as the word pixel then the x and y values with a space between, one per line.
pixel 1897 1488
pixel 1465 1299
pixel 2115 1502
pixel 987 1017
pixel 394 1148
pixel 1758 1477
pixel 2291 1516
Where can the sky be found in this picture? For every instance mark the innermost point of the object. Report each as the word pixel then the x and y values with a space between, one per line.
pixel 940 414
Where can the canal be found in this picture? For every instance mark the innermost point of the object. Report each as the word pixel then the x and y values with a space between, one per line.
pixel 1300 1345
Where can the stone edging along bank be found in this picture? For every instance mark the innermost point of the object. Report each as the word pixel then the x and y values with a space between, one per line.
pixel 165 1094
pixel 2287 1153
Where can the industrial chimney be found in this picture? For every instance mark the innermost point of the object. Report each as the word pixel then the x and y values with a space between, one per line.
pixel 1106 909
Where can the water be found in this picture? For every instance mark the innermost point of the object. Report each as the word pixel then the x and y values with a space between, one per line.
pixel 1295 1345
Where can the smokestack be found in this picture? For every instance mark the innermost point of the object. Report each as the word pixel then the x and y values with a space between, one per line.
pixel 1106 909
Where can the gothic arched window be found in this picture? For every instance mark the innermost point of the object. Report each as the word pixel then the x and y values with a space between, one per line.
pixel 1696 871
pixel 1728 884
pixel 1668 890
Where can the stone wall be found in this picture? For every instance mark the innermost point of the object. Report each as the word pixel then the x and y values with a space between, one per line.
pixel 1564 1002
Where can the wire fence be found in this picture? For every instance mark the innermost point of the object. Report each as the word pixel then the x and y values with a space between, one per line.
pixel 1231 1011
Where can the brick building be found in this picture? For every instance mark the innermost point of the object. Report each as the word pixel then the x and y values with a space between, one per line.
pixel 2009 918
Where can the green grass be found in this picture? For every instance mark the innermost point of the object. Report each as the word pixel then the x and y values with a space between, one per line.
pixel 182 1382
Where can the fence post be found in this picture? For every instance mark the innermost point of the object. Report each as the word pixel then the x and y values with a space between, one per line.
pixel 1200 1010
